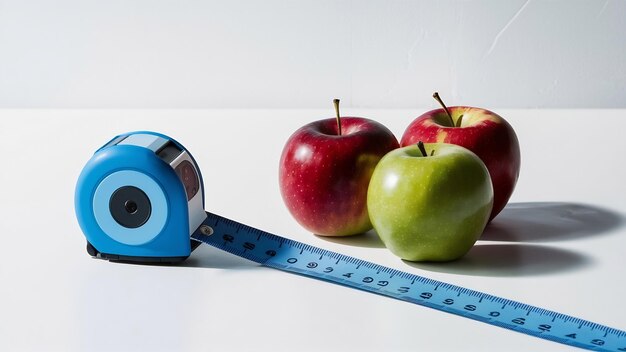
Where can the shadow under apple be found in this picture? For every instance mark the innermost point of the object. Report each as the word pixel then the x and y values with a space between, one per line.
pixel 550 221
pixel 368 239
pixel 509 260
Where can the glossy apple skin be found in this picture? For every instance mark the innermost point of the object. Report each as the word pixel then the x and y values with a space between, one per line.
pixel 324 177
pixel 431 208
pixel 485 133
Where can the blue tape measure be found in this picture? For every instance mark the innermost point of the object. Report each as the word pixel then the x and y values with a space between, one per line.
pixel 296 257
pixel 140 198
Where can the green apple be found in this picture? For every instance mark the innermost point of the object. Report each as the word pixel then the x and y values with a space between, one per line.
pixel 430 202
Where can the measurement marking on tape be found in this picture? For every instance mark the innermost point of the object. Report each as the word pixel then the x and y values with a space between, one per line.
pixel 292 256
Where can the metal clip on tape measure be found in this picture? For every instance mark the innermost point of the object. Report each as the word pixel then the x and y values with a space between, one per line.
pixel 140 198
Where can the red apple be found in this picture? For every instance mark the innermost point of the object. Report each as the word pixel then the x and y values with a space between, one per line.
pixel 325 170
pixel 484 132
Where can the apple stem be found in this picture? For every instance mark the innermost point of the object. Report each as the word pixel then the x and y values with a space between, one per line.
pixel 420 146
pixel 436 96
pixel 336 103
pixel 432 152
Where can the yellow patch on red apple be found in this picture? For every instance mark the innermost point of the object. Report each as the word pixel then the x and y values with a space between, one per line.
pixel 474 116
pixel 441 136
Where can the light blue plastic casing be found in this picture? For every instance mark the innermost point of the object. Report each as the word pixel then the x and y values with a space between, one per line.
pixel 165 236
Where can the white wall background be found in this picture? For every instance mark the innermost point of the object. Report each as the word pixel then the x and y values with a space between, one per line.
pixel 301 54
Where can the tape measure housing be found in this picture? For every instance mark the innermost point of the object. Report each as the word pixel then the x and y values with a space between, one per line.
pixel 125 177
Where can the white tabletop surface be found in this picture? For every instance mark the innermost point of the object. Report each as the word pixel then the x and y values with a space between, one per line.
pixel 560 244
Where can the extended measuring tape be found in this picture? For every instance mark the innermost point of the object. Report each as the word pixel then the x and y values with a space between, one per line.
pixel 140 198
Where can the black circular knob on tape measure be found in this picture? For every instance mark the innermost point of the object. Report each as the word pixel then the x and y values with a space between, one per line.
pixel 130 207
